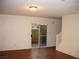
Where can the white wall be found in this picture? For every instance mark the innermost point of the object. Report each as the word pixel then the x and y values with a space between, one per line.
pixel 0 33
pixel 16 31
pixel 70 35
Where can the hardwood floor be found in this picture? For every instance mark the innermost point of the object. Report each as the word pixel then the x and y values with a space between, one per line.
pixel 40 53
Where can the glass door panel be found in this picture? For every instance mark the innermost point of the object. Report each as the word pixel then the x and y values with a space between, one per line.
pixel 35 35
pixel 43 35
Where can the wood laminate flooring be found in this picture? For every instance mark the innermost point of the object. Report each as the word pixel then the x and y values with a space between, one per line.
pixel 35 53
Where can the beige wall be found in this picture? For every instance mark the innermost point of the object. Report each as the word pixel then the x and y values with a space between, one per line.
pixel 16 31
pixel 70 35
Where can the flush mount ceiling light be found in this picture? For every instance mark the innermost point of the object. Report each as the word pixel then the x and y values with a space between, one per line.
pixel 33 8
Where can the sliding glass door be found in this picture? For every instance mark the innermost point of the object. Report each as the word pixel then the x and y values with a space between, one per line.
pixel 39 35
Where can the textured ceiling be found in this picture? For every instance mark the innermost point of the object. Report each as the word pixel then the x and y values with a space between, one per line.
pixel 46 8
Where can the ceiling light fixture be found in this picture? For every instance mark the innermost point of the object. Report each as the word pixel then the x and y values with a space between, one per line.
pixel 33 8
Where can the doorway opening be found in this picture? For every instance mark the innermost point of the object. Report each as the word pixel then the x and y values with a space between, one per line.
pixel 39 35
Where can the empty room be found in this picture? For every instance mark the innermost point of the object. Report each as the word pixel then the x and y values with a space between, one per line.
pixel 39 29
